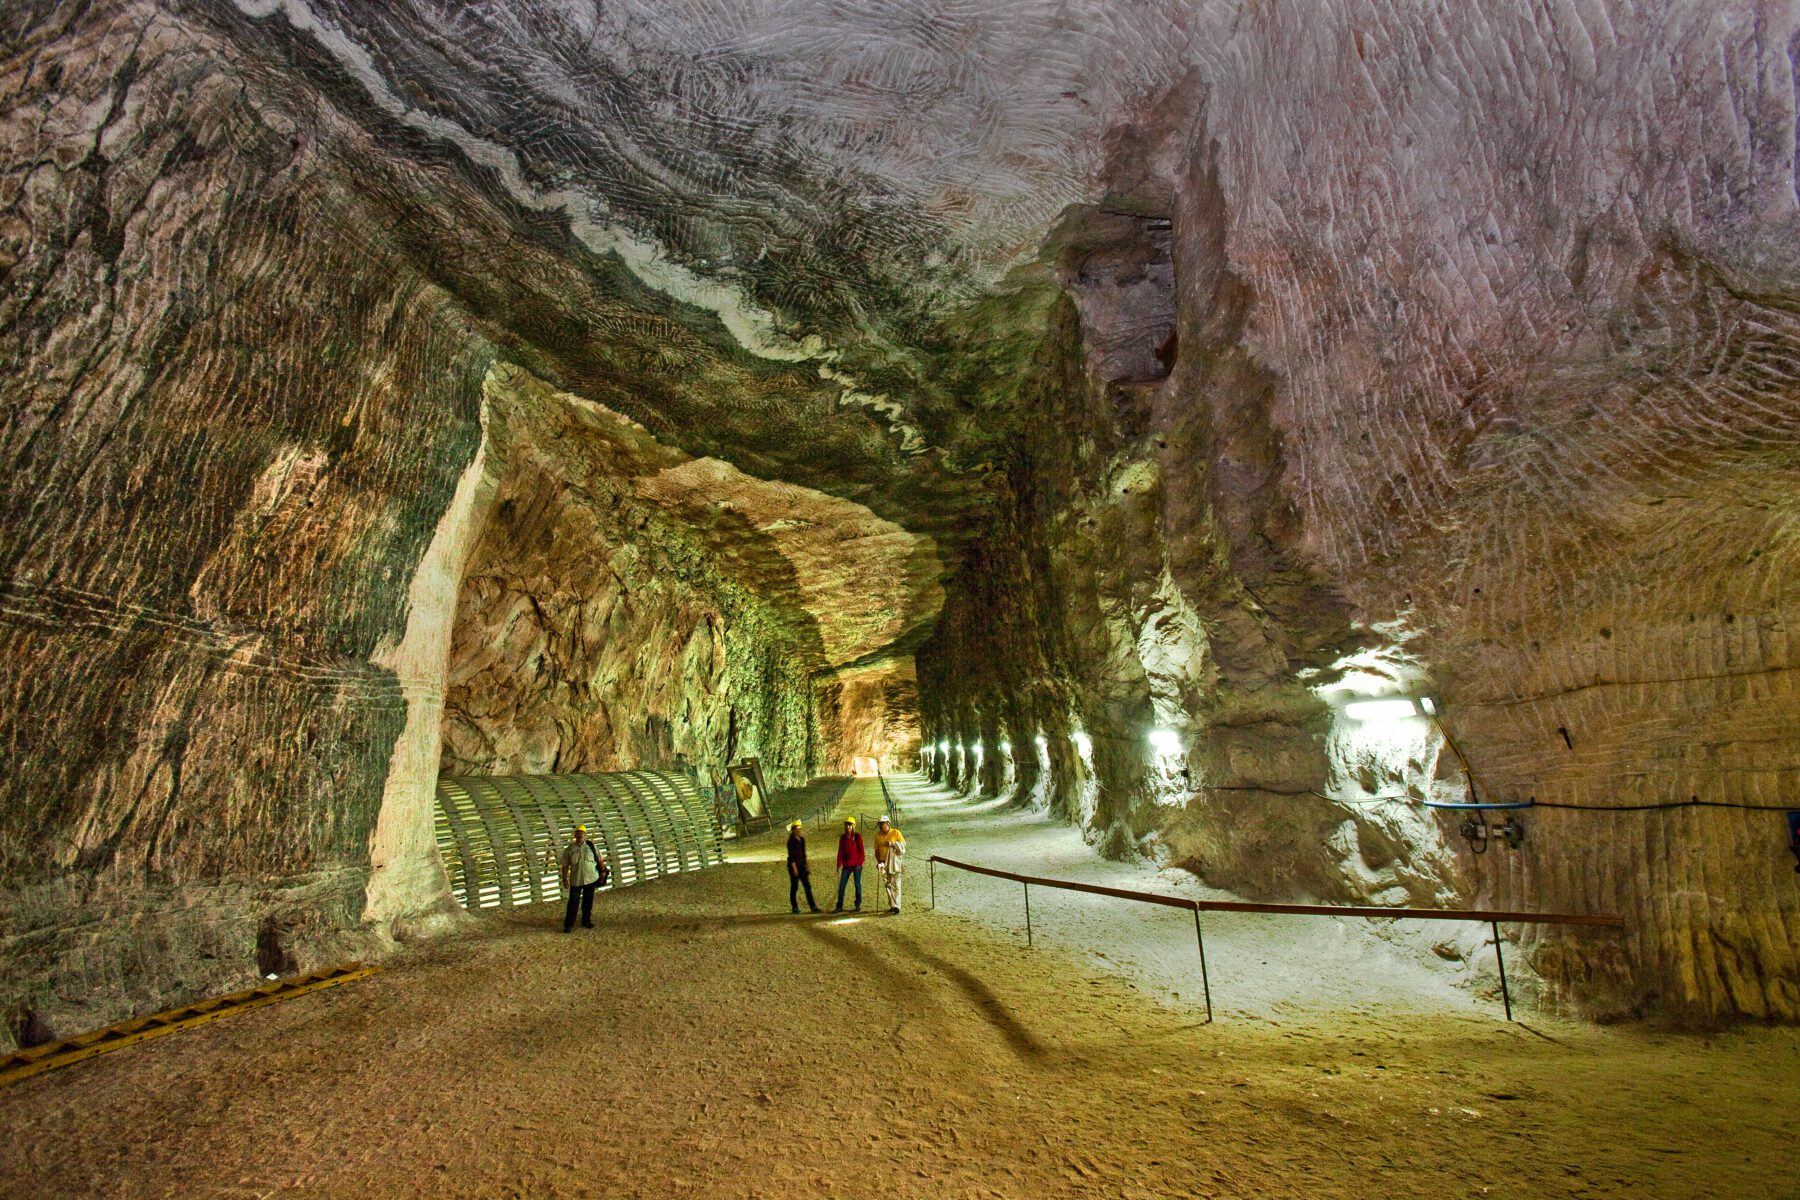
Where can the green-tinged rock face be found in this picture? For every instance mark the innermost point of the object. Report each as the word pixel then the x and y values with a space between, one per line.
pixel 534 387
pixel 627 604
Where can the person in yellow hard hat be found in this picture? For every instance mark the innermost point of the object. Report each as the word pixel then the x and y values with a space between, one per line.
pixel 890 849
pixel 583 870
pixel 850 863
pixel 799 875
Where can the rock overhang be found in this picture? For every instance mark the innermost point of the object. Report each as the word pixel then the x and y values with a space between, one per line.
pixel 853 586
pixel 793 209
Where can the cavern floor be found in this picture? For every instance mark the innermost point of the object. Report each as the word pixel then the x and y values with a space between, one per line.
pixel 703 1042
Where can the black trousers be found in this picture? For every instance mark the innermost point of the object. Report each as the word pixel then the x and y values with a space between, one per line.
pixel 794 884
pixel 582 894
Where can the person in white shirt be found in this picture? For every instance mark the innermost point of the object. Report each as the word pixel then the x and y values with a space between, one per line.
pixel 890 851
pixel 583 871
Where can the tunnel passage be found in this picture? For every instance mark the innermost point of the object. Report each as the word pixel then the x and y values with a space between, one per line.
pixel 656 388
pixel 500 834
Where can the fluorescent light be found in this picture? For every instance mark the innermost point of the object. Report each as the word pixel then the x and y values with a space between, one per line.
pixel 1165 741
pixel 1043 743
pixel 943 747
pixel 1083 742
pixel 1381 710
pixel 1006 749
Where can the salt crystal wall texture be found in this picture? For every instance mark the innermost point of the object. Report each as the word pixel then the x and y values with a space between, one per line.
pixel 533 386
pixel 1487 384
pixel 233 417
pixel 256 345
pixel 627 605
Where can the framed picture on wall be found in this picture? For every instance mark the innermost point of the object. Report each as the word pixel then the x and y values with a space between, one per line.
pixel 752 796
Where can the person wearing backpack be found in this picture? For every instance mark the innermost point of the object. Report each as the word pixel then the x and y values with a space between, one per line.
pixel 583 872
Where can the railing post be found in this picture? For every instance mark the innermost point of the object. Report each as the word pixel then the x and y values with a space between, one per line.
pixel 1500 960
pixel 931 864
pixel 1027 916
pixel 1205 983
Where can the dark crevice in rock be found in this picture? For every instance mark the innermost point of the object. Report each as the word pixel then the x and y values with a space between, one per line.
pixel 272 954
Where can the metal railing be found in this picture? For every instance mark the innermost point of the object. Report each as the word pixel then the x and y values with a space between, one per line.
pixel 501 835
pixel 1492 917
pixel 891 808
pixel 816 814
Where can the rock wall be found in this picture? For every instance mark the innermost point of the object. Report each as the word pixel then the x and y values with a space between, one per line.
pixel 871 712
pixel 596 632
pixel 1481 382
pixel 233 418
pixel 645 372
pixel 251 358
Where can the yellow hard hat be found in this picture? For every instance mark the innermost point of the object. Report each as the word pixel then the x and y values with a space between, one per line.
pixel 849 820
pixel 581 829
pixel 794 824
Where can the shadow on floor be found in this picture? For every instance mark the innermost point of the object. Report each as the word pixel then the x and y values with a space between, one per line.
pixel 502 925
pixel 686 921
pixel 986 1002
pixel 901 987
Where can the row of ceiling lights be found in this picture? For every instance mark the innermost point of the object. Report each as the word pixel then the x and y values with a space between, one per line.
pixel 1167 742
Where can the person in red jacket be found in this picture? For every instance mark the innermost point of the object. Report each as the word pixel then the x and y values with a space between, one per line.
pixel 850 863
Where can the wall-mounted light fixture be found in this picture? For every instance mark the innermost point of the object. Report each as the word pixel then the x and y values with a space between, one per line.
pixel 943 747
pixel 1399 708
pixel 1006 749
pixel 1083 743
pixel 1390 709
pixel 1043 743
pixel 1166 742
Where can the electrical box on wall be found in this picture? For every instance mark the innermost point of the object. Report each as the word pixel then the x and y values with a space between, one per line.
pixel 1477 832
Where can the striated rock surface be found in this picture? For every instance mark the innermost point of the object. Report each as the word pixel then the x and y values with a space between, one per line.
pixel 248 334
pixel 872 711
pixel 524 386
pixel 232 420
pixel 1461 406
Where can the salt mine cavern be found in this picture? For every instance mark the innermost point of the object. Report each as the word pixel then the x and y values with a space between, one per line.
pixel 916 598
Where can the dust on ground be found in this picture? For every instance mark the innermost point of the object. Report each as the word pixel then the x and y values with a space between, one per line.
pixel 701 1041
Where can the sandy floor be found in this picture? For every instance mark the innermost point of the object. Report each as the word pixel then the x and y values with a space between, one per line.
pixel 701 1041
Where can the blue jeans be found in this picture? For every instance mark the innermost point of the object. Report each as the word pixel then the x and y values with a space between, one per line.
pixel 844 876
